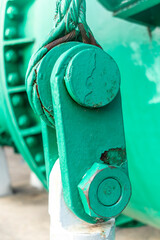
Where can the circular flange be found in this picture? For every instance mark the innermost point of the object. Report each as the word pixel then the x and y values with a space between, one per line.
pixel 92 78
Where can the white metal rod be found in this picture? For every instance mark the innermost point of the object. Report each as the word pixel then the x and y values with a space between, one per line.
pixel 64 224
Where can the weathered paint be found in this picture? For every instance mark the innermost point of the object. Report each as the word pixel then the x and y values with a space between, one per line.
pixel 102 183
pixel 98 79
pixel 100 117
pixel 137 55
pixel 64 224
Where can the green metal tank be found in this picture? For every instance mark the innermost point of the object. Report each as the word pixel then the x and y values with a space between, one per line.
pixel 133 40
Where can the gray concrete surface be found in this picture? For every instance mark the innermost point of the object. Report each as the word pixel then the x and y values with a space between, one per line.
pixel 24 215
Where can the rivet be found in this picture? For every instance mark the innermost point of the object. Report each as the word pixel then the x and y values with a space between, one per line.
pixel 11 56
pixel 12 12
pixel 17 100
pixel 24 121
pixel 11 33
pixel 39 158
pixel 13 79
pixel 31 141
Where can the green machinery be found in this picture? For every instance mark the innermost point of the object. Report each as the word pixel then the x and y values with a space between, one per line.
pixel 134 44
pixel 74 86
pixel 18 124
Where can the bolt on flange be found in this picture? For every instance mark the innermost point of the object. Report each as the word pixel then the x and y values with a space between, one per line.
pixel 104 191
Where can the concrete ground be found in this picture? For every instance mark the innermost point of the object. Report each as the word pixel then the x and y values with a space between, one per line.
pixel 24 215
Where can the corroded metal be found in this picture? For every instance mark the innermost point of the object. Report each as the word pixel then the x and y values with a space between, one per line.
pixel 73 84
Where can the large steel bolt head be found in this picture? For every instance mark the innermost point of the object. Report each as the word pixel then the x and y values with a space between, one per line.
pixel 105 191
pixel 92 78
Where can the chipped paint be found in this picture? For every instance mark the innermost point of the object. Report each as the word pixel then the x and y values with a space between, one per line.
pixel 114 156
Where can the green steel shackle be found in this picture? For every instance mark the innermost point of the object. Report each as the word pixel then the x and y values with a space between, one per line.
pixel 69 25
pixel 73 85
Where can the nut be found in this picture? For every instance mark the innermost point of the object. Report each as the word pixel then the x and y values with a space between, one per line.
pixel 104 191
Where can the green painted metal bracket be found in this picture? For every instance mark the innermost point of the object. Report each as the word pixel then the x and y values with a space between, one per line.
pixel 87 117
pixel 82 137
pixel 114 5
pixel 145 12
pixel 75 89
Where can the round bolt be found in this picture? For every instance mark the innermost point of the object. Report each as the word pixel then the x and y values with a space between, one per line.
pixel 39 158
pixel 31 141
pixel 24 121
pixel 105 191
pixel 11 33
pixel 17 100
pixel 109 192
pixel 12 12
pixel 11 56
pixel 92 78
pixel 13 79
